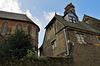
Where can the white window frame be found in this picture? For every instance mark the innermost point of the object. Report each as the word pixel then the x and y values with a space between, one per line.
pixel 80 37
pixel 53 44
pixel 72 19
pixel 99 40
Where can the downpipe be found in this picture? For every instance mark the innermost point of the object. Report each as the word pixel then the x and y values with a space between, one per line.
pixel 66 42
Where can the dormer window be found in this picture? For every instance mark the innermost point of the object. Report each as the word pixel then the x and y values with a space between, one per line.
pixel 72 19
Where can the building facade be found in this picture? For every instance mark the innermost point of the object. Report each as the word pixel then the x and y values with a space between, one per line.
pixel 11 22
pixel 67 36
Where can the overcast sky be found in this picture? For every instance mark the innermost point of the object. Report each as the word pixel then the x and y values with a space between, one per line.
pixel 42 11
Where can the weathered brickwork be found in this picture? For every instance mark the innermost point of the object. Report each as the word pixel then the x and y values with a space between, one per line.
pixel 49 37
pixel 60 42
pixel 12 27
pixel 79 40
pixel 86 55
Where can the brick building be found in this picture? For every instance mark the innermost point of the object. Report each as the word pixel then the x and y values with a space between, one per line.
pixel 10 22
pixel 67 36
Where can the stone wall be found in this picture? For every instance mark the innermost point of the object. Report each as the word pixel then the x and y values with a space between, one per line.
pixel 85 54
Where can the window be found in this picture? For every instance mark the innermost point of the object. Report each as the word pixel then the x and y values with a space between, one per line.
pixel 4 28
pixel 19 27
pixel 80 37
pixel 72 19
pixel 29 30
pixel 53 44
pixel 99 40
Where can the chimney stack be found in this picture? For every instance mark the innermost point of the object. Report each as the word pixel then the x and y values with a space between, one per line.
pixel 69 7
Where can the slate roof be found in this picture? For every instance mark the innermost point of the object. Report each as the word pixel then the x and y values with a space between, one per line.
pixel 80 25
pixel 95 23
pixel 15 16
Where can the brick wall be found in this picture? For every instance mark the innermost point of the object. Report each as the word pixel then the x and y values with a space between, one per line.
pixel 12 24
pixel 85 54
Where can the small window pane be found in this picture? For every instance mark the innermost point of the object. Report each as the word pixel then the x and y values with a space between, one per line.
pixel 80 37
pixel 99 40
pixel 74 21
pixel 53 44
pixel 4 28
pixel 70 20
pixel 19 27
pixel 74 18
pixel 29 30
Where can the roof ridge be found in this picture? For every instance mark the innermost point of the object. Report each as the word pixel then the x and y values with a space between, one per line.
pixel 91 17
pixel 13 12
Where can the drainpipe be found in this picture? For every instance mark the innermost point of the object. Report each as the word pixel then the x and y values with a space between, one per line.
pixel 66 42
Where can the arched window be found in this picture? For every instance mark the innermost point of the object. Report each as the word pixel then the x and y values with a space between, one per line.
pixel 19 27
pixel 4 28
pixel 29 29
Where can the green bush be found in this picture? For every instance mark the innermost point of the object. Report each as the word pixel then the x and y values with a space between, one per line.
pixel 16 45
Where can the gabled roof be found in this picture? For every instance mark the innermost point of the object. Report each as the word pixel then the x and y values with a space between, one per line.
pixel 95 23
pixel 16 16
pixel 79 25
pixel 91 17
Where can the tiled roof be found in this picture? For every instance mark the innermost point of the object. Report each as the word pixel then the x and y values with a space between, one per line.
pixel 80 25
pixel 95 23
pixel 15 16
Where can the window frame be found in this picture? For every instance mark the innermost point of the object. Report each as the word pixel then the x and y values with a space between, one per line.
pixel 18 26
pixel 4 28
pixel 71 19
pixel 29 31
pixel 80 37
pixel 54 45
pixel 98 39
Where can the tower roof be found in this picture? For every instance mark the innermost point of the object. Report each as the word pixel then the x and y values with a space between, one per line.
pixel 16 16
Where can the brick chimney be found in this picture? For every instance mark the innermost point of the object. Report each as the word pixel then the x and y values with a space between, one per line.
pixel 69 7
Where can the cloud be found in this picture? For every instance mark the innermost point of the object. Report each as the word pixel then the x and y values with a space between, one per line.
pixel 34 19
pixel 10 5
pixel 49 15
pixel 15 6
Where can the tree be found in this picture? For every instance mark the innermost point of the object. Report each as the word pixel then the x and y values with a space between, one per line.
pixel 17 44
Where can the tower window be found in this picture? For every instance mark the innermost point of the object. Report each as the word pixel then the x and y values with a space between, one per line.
pixel 4 28
pixel 29 30
pixel 72 19
pixel 19 27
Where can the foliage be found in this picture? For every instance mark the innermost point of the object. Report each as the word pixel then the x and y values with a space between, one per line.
pixel 53 62
pixel 17 44
pixel 30 55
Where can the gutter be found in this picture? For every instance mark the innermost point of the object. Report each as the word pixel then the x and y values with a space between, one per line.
pixel 66 42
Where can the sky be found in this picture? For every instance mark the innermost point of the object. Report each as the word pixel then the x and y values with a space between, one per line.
pixel 42 11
